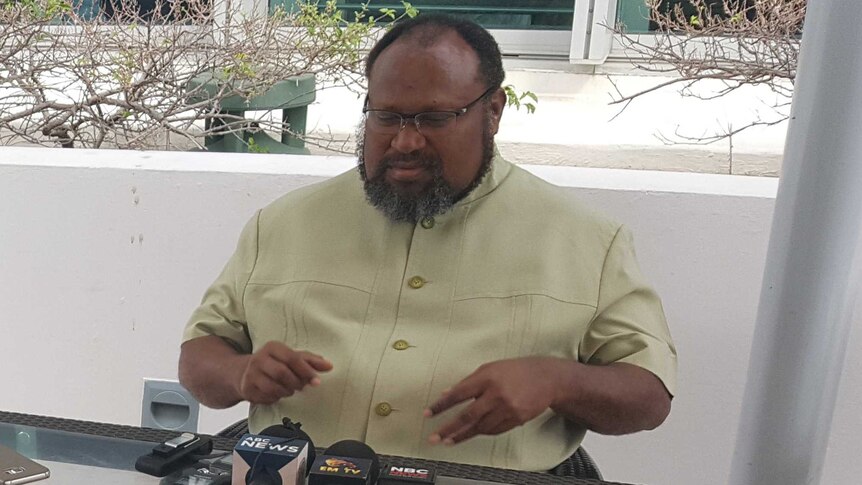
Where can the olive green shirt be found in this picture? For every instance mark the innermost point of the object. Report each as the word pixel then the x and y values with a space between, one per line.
pixel 517 268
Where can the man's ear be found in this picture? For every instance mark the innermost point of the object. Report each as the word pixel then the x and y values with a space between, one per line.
pixel 498 103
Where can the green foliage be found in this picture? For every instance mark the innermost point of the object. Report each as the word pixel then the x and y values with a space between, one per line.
pixel 253 147
pixel 124 68
pixel 343 37
pixel 393 15
pixel 41 9
pixel 517 100
pixel 242 68
pixel 388 12
pixel 409 10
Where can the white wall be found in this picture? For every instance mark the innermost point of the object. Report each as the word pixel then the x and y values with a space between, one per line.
pixel 104 254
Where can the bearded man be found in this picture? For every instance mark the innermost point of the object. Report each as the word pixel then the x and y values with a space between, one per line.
pixel 438 302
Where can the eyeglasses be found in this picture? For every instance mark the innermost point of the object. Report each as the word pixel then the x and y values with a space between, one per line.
pixel 427 123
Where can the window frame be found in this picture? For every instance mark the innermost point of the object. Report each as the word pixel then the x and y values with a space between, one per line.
pixel 513 42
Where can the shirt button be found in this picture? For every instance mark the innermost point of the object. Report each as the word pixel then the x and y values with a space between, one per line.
pixel 400 345
pixel 428 222
pixel 416 282
pixel 383 409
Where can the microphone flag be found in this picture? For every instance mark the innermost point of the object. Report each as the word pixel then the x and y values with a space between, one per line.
pixel 340 470
pixel 402 475
pixel 267 459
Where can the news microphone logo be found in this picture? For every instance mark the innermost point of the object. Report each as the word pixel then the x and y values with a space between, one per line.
pixel 269 460
pixel 328 470
pixel 338 462
pixel 347 462
pixel 399 475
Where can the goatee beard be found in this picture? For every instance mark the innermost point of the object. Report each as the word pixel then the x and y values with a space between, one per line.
pixel 435 199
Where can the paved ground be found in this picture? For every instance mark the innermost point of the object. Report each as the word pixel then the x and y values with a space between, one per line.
pixel 670 158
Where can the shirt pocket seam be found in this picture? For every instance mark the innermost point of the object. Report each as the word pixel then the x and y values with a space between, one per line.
pixel 309 281
pixel 503 296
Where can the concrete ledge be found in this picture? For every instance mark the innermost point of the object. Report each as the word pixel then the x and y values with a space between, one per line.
pixel 328 166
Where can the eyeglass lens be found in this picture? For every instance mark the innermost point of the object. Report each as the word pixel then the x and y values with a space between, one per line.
pixel 429 122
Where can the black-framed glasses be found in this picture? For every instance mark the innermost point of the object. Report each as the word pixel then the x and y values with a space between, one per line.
pixel 427 122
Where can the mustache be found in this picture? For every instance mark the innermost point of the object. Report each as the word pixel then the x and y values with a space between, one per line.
pixel 426 161
pixel 422 160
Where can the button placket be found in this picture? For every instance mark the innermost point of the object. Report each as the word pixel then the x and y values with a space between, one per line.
pixel 419 299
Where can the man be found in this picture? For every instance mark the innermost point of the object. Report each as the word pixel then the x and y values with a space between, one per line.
pixel 440 303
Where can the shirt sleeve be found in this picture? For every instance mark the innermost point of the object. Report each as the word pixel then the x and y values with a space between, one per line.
pixel 629 325
pixel 222 311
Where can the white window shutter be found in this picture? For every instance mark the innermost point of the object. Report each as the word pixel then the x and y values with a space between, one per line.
pixel 592 31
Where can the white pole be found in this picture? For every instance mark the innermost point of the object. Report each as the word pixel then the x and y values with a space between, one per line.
pixel 812 266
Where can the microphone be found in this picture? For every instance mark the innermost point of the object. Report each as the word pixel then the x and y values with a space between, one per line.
pixel 401 475
pixel 347 462
pixel 277 456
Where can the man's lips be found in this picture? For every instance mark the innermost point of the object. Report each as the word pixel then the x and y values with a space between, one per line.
pixel 403 172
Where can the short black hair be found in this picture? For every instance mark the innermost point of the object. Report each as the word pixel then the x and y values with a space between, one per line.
pixel 432 26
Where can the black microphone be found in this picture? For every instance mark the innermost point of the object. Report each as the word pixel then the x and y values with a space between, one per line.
pixel 407 474
pixel 277 456
pixel 347 462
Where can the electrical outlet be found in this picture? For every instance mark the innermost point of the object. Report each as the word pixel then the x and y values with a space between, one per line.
pixel 168 405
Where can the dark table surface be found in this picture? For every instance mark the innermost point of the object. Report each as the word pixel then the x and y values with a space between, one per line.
pixel 106 453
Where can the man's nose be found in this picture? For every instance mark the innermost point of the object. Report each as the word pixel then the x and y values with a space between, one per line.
pixel 409 139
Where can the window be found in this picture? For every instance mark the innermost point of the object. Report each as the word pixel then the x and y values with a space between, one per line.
pixel 492 14
pixel 547 29
pixel 635 14
pixel 522 28
pixel 168 10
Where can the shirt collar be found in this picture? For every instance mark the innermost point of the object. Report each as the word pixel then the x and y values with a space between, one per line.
pixel 498 171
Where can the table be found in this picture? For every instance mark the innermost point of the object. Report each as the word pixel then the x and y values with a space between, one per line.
pixel 80 452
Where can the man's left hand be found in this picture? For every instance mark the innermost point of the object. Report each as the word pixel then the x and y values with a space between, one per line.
pixel 505 393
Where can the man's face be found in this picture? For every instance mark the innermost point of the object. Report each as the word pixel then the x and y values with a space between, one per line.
pixel 412 174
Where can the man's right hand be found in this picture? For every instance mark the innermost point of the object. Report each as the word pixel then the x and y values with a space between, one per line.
pixel 276 371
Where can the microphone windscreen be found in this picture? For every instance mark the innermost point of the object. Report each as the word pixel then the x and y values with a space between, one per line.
pixel 356 449
pixel 269 460
pixel 291 430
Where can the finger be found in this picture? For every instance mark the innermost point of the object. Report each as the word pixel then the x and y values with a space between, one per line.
pixel 304 372
pixel 464 422
pixel 256 386
pixel 264 391
pixel 503 426
pixel 281 374
pixel 279 351
pixel 466 431
pixel 489 424
pixel 287 356
pixel 319 363
pixel 461 435
pixel 495 425
pixel 466 389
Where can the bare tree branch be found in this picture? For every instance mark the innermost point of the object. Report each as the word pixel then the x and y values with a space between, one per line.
pixel 738 42
pixel 126 79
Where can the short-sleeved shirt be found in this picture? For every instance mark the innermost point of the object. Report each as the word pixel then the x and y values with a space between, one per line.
pixel 517 268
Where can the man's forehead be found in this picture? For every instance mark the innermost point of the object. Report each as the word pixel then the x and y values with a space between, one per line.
pixel 437 56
